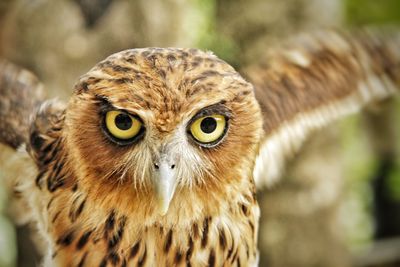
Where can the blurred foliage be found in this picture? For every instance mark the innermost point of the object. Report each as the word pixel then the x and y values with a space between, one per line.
pixel 360 163
pixel 210 39
pixel 359 12
pixel 394 178
pixel 393 184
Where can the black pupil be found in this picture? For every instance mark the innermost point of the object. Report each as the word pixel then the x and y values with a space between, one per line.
pixel 123 122
pixel 208 125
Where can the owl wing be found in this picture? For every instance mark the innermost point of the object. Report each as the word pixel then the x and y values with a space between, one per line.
pixel 21 92
pixel 26 117
pixel 26 121
pixel 314 79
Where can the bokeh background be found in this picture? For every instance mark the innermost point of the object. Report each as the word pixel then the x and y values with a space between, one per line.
pixel 338 204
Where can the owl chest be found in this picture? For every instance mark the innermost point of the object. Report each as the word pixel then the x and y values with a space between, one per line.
pixel 96 230
pixel 121 241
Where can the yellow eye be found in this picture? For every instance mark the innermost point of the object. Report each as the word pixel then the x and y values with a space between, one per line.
pixel 122 125
pixel 208 129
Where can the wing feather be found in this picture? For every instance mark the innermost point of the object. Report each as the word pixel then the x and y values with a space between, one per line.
pixel 27 123
pixel 20 94
pixel 314 79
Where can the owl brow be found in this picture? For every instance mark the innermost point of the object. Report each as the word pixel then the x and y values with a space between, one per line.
pixel 218 108
pixel 105 105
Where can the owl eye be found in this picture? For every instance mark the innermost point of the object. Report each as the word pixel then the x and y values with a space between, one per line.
pixel 122 125
pixel 208 129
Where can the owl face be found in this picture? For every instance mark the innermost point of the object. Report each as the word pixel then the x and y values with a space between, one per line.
pixel 161 122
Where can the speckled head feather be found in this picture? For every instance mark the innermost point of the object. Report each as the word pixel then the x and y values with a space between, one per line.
pixel 165 88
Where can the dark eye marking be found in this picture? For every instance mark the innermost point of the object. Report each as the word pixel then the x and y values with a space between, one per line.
pixel 218 108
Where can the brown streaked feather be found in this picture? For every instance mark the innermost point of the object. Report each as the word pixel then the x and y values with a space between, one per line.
pixel 45 131
pixel 29 122
pixel 314 79
pixel 20 96
pixel 20 93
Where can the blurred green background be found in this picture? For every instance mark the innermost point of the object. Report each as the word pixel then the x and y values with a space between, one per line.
pixel 60 40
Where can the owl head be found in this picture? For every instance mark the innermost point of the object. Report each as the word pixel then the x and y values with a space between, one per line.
pixel 158 126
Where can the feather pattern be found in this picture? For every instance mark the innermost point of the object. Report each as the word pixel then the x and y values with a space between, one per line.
pixel 315 79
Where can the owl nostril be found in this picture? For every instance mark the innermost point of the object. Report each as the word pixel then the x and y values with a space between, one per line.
pixel 157 166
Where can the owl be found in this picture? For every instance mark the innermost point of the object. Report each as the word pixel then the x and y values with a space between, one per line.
pixel 156 158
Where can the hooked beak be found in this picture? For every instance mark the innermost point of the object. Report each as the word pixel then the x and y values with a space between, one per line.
pixel 164 184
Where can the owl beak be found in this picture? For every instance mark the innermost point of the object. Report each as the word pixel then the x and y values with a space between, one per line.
pixel 165 184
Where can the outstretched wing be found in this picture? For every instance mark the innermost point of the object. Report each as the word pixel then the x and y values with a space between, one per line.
pixel 317 78
pixel 20 94
pixel 26 123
